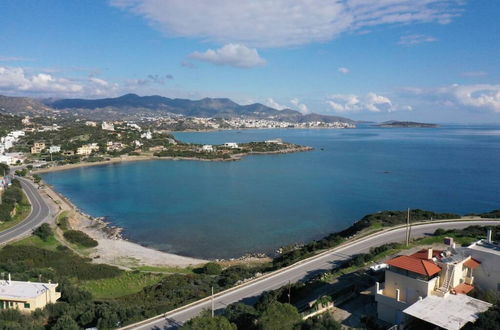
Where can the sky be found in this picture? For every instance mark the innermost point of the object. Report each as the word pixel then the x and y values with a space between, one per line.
pixel 422 60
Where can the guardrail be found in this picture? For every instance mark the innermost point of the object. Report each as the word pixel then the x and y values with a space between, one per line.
pixel 298 263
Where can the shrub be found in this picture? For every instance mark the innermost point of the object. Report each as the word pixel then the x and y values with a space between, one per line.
pixel 80 238
pixel 44 231
pixel 212 268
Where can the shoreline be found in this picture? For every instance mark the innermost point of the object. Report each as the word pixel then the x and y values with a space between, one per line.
pixel 125 159
pixel 112 249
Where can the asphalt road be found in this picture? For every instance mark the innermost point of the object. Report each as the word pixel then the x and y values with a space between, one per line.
pixel 39 213
pixel 300 271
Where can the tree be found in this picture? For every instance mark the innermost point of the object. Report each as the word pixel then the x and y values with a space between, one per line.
pixel 489 320
pixel 65 322
pixel 37 178
pixel 278 316
pixel 44 232
pixel 206 322
pixel 212 268
pixel 321 322
pixel 242 315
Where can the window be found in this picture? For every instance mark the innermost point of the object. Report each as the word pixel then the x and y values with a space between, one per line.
pixel 26 305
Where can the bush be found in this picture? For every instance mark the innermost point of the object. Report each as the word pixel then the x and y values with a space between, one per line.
pixel 212 268
pixel 80 238
pixel 44 232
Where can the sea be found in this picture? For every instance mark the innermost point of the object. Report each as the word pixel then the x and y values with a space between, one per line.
pixel 262 202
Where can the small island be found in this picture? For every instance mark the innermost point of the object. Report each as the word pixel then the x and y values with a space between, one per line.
pixel 405 124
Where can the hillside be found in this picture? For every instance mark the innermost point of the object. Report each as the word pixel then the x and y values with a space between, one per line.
pixel 132 104
pixel 23 106
pixel 405 124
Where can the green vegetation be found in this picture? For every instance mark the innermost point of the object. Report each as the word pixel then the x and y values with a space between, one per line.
pixel 123 285
pixel 50 244
pixel 371 221
pixel 44 232
pixel 80 238
pixel 63 221
pixel 15 207
pixel 489 320
pixel 212 268
pixel 156 269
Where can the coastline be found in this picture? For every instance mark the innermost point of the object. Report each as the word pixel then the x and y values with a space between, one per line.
pixel 112 249
pixel 124 159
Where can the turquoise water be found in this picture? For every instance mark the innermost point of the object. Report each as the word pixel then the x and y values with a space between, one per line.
pixel 226 209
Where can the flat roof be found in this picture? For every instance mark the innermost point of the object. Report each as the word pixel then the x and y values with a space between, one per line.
pixel 23 290
pixel 484 246
pixel 451 312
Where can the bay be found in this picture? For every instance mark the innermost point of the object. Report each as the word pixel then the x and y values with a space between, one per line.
pixel 227 209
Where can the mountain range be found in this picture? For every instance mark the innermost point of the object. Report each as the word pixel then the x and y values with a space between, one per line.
pixel 132 106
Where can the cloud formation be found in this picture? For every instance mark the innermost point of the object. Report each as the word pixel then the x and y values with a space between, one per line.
pixel 16 80
pixel 300 106
pixel 415 39
pixel 343 70
pixel 478 96
pixel 280 23
pixel 275 105
pixel 236 55
pixel 370 102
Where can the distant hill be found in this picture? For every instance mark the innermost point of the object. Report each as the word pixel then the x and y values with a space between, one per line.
pixel 395 123
pixel 132 104
pixel 23 106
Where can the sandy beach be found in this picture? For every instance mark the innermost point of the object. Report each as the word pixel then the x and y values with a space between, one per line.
pixel 112 249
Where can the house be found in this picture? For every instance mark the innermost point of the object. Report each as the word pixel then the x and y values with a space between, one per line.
pixel 107 126
pixel 231 145
pixel 87 149
pixel 54 149
pixel 114 146
pixel 275 141
pixel 38 147
pixel 12 158
pixel 487 253
pixel 421 279
pixel 156 148
pixel 147 135
pixel 91 123
pixel 27 296
pixel 207 148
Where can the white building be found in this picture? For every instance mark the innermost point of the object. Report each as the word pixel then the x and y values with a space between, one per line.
pixel 27 296
pixel 91 123
pixel 107 126
pixel 487 252
pixel 275 141
pixel 231 145
pixel 147 135
pixel 207 148
pixel 54 149
pixel 87 149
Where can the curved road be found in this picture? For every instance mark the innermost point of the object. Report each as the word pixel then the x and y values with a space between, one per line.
pixel 294 273
pixel 39 214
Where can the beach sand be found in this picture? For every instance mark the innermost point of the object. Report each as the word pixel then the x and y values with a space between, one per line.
pixel 112 249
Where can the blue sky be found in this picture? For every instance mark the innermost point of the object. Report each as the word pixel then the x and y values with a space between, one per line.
pixel 433 60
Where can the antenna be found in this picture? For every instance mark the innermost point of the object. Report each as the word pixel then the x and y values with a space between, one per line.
pixel 212 301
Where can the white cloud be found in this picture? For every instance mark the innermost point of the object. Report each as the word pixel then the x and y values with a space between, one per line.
pixel 236 55
pixel 15 80
pixel 370 102
pixel 415 39
pixel 479 96
pixel 343 70
pixel 300 106
pixel 273 104
pixel 279 23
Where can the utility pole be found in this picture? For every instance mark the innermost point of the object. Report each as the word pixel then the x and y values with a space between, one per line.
pixel 212 301
pixel 289 292
pixel 408 228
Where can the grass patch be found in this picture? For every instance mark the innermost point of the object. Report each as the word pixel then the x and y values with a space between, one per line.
pixel 170 270
pixel 51 244
pixel 23 209
pixel 123 285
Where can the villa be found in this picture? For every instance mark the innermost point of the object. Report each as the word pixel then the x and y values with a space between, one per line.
pixel 207 148
pixel 432 286
pixel 231 145
pixel 38 147
pixel 27 296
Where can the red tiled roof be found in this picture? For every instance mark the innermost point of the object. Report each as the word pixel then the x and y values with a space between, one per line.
pixel 422 254
pixel 415 265
pixel 463 288
pixel 472 263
